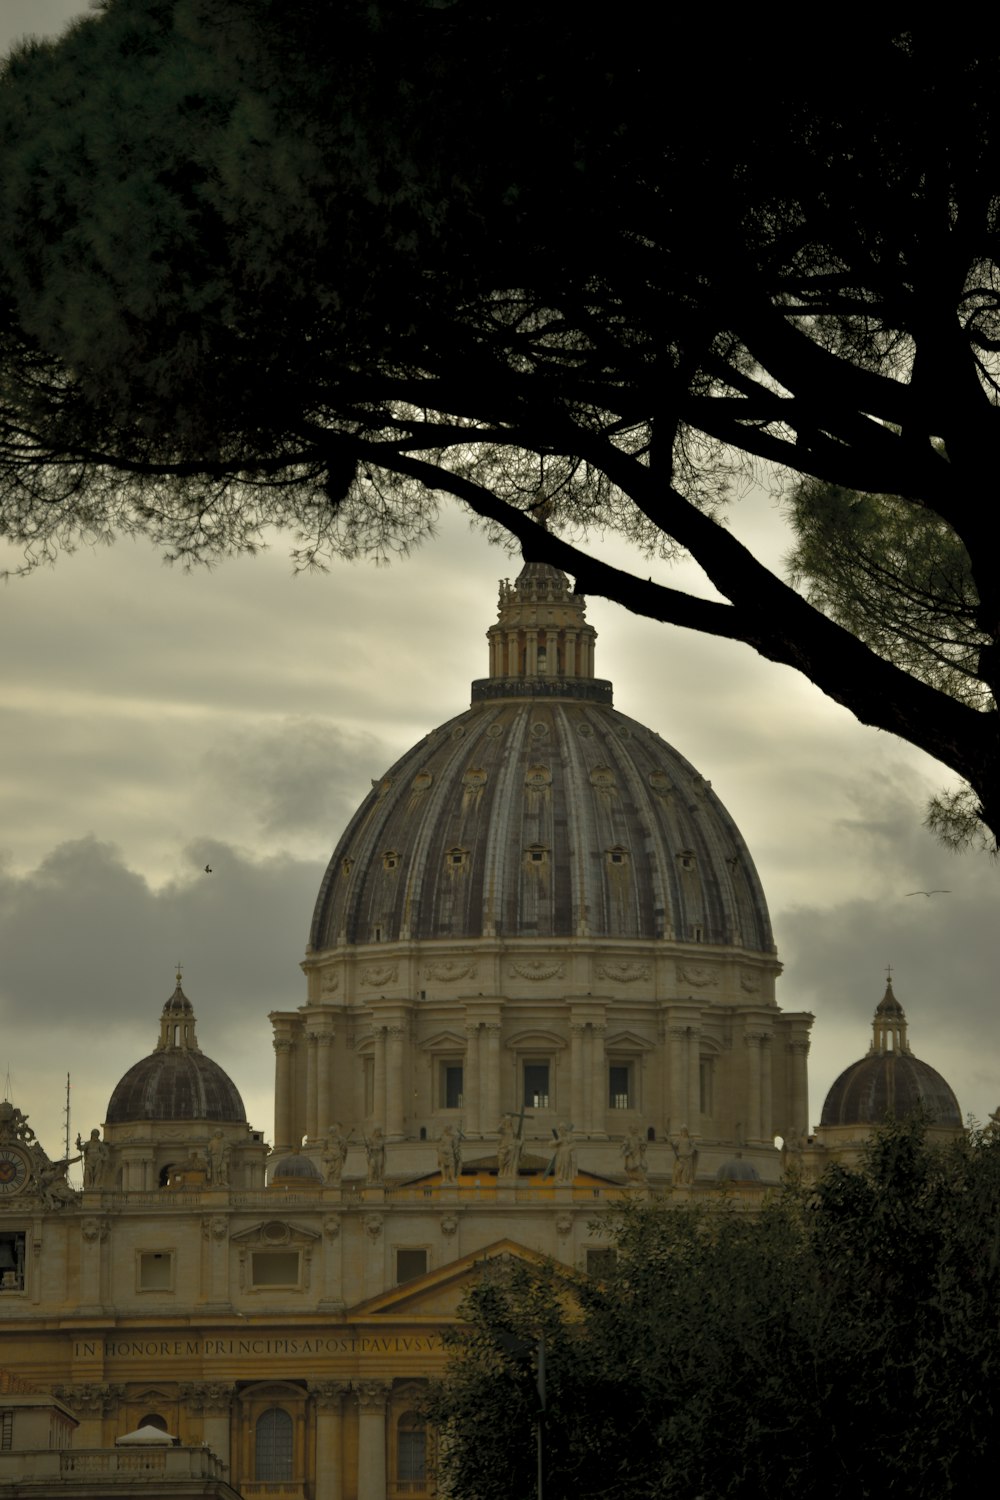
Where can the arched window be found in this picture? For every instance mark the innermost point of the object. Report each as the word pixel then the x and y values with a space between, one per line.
pixel 411 1452
pixel 273 1456
pixel 153 1419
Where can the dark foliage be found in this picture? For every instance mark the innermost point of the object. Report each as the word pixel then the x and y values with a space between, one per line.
pixel 277 262
pixel 841 1343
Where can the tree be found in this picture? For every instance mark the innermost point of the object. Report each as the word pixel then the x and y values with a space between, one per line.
pixel 843 1342
pixel 269 263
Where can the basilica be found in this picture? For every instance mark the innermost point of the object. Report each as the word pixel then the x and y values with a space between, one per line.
pixel 540 978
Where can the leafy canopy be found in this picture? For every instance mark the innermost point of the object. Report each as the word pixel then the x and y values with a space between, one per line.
pixel 270 262
pixel 843 1342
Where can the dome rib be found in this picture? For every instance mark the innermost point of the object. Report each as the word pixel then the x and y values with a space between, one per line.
pixel 599 798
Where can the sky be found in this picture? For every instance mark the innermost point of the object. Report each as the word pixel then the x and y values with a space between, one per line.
pixel 154 721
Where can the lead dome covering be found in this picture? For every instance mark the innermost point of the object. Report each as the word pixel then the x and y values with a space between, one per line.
pixel 541 811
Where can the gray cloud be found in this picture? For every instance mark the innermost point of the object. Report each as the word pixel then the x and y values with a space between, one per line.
pixel 90 950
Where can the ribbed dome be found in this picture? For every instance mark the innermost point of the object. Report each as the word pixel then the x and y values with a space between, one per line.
pixel 177 1081
pixel 541 812
pixel 890 1080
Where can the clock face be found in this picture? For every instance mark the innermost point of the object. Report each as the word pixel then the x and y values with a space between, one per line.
pixel 13 1171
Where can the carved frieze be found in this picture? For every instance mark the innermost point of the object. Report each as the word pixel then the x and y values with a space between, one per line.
pixel 623 973
pixel 701 976
pixel 537 969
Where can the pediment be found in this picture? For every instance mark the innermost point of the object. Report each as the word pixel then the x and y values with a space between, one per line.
pixel 536 1040
pixel 272 1234
pixel 627 1041
pixel 444 1041
pixel 439 1293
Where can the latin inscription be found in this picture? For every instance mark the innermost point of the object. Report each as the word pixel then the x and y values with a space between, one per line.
pixel 348 1343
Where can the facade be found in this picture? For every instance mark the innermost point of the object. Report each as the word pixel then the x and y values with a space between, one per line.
pixel 540 977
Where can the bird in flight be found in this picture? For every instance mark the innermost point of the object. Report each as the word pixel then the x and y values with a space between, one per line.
pixel 939 892
pixel 208 869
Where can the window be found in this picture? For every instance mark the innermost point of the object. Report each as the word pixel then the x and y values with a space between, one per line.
pixel 275 1267
pixel 451 1086
pixel 456 858
pixel 153 1419
pixel 686 859
pixel 538 854
pixel 620 1086
pixel 536 1085
pixel 6 1430
pixel 600 1260
pixel 273 1446
pixel 706 1081
pixel 411 1453
pixel 617 856
pixel 390 859
pixel 155 1271
pixel 697 933
pixel 11 1261
pixel 410 1264
pixel 368 1080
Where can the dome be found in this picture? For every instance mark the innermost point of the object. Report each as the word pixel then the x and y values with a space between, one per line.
pixel 735 1169
pixel 890 1080
pixel 542 812
pixel 295 1165
pixel 177 1081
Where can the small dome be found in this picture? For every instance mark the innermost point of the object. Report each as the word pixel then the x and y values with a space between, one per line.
pixel 890 1081
pixel 177 1081
pixel 295 1166
pixel 735 1169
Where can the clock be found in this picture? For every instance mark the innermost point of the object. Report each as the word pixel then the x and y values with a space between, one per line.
pixel 13 1170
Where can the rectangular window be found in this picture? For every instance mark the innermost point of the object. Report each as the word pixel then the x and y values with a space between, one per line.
pixel 411 1457
pixel 620 1086
pixel 156 1270
pixel 275 1267
pixel 705 1085
pixel 451 1085
pixel 368 1077
pixel 410 1264
pixel 12 1261
pixel 536 1085
pixel 601 1260
pixel 6 1430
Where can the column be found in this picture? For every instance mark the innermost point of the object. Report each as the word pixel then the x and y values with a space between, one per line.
pixel 394 1104
pixel 372 1396
pixel 752 1042
pixel 597 1117
pixel 492 1079
pixel 215 1233
pixel 94 1232
pixel 327 1399
pixel 577 1103
pixel 512 654
pixel 282 1093
pixel 766 1107
pixel 471 1081
pixel 214 1400
pixel 693 1091
pixel 324 1044
pixel 312 1051
pixel 531 654
pixel 379 1111
pixel 570 667
pixel 678 1077
pixel 799 1101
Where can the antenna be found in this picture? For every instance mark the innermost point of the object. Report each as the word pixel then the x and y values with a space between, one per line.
pixel 66 1113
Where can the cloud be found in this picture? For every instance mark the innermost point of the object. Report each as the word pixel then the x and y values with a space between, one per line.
pixel 90 949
